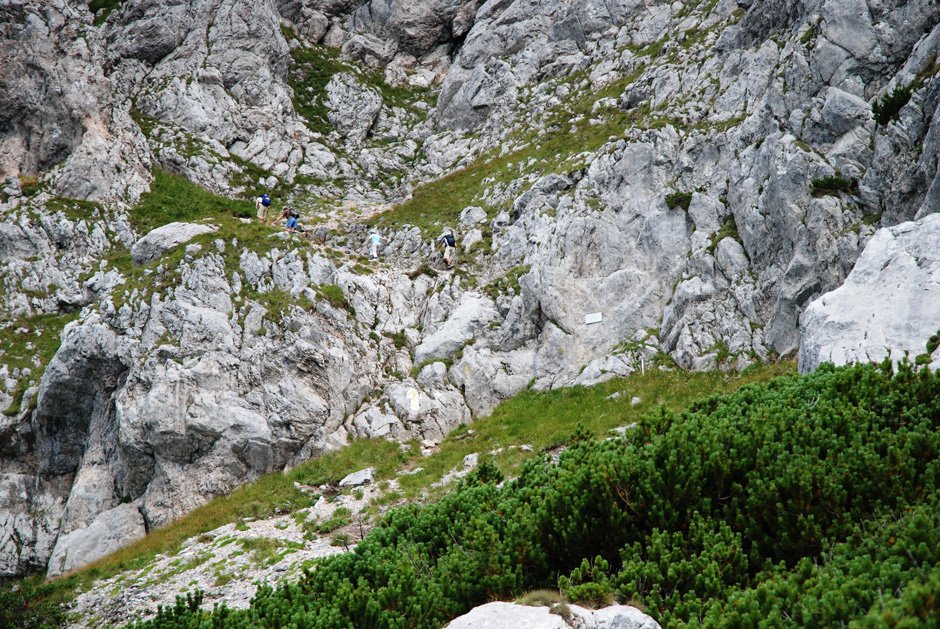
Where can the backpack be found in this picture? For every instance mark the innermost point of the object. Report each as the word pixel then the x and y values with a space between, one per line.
pixel 265 199
pixel 450 240
pixel 294 213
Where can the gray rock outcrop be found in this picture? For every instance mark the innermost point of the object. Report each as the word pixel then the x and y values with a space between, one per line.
pixel 59 118
pixel 887 307
pixel 111 530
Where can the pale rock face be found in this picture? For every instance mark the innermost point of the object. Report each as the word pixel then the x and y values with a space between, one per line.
pixel 887 306
pixel 111 530
pixel 362 477
pixel 464 323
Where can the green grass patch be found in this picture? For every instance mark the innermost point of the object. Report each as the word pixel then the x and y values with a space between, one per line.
pixel 30 342
pixel 173 198
pixel 145 122
pixel 33 604
pixel 385 456
pixel 728 229
pixel 107 6
pixel 398 339
pixel 439 203
pixel 30 185
pixel 510 281
pixel 75 209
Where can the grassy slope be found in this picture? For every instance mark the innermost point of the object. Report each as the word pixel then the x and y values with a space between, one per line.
pixel 541 419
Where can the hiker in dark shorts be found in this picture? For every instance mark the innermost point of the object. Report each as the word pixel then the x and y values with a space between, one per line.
pixel 448 242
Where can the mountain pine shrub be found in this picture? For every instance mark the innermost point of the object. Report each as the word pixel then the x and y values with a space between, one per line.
pixel 810 501
pixel 889 106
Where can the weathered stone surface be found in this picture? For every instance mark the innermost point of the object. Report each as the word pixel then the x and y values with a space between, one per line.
pixel 111 530
pixel 887 306
pixel 185 392
pixel 162 239
pixel 354 108
pixel 58 111
pixel 469 317
pixel 510 616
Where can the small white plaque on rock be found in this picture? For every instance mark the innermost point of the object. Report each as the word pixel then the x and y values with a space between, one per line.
pixel 594 317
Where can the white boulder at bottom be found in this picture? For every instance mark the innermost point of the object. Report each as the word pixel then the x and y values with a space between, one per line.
pixel 512 616
pixel 111 530
pixel 887 305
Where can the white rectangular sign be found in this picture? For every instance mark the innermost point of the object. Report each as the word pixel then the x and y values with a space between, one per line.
pixel 594 317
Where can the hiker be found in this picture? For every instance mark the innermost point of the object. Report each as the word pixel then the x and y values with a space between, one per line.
pixel 375 239
pixel 292 216
pixel 262 204
pixel 448 242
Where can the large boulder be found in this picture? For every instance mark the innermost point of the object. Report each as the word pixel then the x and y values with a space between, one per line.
pixel 511 616
pixel 354 107
pixel 111 530
pixel 162 239
pixel 887 306
pixel 472 314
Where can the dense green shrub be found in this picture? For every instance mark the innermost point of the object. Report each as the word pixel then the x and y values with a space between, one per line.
pixel 27 604
pixel 889 105
pixel 679 199
pixel 807 502
pixel 833 185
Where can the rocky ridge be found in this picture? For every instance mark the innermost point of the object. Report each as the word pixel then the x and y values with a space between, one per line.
pixel 653 165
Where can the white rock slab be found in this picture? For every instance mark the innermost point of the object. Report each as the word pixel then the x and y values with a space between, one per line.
pixel 162 239
pixel 887 305
pixel 111 530
pixel 362 477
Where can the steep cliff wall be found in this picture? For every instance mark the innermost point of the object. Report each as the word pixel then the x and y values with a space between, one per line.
pixel 691 174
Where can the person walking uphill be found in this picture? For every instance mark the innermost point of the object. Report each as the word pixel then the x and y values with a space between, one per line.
pixel 262 204
pixel 292 216
pixel 448 242
pixel 375 239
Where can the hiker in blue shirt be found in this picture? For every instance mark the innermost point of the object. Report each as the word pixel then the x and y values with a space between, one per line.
pixel 375 239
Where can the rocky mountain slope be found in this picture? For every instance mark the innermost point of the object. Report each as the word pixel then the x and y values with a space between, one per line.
pixel 692 175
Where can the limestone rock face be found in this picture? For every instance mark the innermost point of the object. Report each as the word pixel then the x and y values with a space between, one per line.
pixel 656 190
pixel 354 108
pixel 464 323
pixel 58 114
pixel 887 306
pixel 111 530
